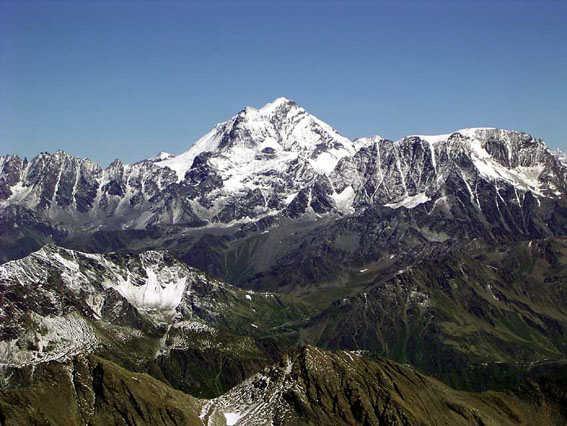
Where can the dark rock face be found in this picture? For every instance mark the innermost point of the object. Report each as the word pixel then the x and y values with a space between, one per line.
pixel 246 206
pixel 298 205
pixel 202 177
pixel 23 231
pixel 10 175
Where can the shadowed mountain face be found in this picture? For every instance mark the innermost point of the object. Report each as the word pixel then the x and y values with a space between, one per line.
pixel 206 269
pixel 461 316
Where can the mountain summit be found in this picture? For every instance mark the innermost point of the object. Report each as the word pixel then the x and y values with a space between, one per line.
pixel 281 130
pixel 279 162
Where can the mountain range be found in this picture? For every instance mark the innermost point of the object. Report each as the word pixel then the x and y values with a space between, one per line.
pixel 264 273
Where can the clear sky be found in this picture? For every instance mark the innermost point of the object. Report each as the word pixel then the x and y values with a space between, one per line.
pixel 126 80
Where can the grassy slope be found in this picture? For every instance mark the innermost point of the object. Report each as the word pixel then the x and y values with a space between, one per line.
pixel 93 391
pixel 326 389
pixel 484 305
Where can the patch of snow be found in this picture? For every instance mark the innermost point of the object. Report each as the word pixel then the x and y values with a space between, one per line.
pixel 492 292
pixel 345 199
pixel 473 132
pixel 410 202
pixel 289 198
pixel 288 366
pixel 363 142
pixel 349 355
pixel 73 266
pixel 433 139
pixel 271 107
pixel 183 162
pixel 326 161
pixel 19 192
pixel 523 177
pixel 161 156
pixel 249 297
pixel 153 294
pixel 232 418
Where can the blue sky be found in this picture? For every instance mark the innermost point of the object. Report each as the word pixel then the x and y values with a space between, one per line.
pixel 126 80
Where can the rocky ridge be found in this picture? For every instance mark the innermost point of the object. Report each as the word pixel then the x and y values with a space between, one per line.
pixel 281 160
pixel 278 180
pixel 146 311
pixel 308 387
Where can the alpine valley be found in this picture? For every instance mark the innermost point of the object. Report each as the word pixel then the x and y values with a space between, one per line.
pixel 279 273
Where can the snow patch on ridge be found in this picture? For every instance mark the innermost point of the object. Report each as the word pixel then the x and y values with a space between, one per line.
pixel 410 202
pixel 183 162
pixel 270 107
pixel 231 418
pixel 345 199
pixel 526 178
pixel 433 139
pixel 152 294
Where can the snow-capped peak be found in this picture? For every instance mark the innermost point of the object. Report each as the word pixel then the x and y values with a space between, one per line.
pixel 469 132
pixel 270 107
pixel 278 159
pixel 362 142
pixel 282 126
pixel 161 156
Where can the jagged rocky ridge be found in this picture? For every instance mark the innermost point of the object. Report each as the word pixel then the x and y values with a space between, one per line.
pixel 250 166
pixel 282 160
pixel 147 311
pixel 278 180
pixel 60 307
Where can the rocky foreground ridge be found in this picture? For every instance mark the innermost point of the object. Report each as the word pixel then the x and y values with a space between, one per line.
pixel 308 387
